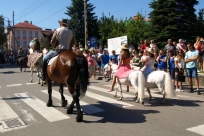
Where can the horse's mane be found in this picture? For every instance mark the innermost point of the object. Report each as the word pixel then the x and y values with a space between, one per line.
pixel 47 41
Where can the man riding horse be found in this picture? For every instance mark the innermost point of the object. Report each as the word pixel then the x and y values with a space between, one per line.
pixel 64 37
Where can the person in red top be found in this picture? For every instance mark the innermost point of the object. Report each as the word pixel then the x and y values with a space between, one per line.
pixel 198 46
pixel 144 46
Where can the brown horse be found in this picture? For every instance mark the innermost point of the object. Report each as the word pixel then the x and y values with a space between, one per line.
pixel 72 69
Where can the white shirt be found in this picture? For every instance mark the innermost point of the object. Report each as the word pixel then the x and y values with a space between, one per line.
pixel 181 63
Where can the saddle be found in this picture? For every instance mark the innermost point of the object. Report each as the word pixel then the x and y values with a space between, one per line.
pixel 50 61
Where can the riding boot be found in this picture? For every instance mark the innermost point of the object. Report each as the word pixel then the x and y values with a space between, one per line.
pixel 44 70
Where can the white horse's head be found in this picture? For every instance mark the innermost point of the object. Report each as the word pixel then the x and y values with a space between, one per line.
pixel 110 67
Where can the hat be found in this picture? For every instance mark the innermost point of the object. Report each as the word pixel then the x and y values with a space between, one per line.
pixel 124 46
pixel 64 21
pixel 150 50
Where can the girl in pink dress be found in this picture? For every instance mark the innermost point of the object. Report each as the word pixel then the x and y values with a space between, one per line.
pixel 124 68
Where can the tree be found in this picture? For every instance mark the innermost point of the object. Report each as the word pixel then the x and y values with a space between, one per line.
pixel 76 22
pixel 172 19
pixel 200 23
pixel 2 33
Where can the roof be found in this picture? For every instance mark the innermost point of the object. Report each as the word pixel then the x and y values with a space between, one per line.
pixel 47 31
pixel 26 24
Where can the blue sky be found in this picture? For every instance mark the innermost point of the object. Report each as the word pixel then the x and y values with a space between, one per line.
pixel 46 13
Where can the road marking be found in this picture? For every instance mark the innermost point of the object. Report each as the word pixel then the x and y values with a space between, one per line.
pixel 12 85
pixel 31 83
pixel 88 108
pixel 6 112
pixel 109 100
pixel 49 113
pixel 198 129
pixel 124 94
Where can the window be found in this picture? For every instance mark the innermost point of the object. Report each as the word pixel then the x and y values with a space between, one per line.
pixel 24 34
pixel 36 34
pixel 24 44
pixel 30 34
pixel 17 33
pixel 18 43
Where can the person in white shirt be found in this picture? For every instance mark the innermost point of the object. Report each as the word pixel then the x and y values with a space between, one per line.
pixel 181 46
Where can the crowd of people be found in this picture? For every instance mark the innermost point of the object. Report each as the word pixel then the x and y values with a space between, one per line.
pixel 175 58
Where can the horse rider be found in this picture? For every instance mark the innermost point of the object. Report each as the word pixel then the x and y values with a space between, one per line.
pixel 123 67
pixel 148 62
pixel 36 45
pixel 64 36
pixel 20 52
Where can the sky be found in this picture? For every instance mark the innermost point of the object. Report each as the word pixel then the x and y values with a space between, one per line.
pixel 46 13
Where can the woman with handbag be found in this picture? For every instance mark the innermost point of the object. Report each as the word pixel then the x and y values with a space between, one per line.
pixel 179 70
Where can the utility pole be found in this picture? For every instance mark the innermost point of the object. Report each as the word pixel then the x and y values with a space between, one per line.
pixel 14 33
pixel 85 24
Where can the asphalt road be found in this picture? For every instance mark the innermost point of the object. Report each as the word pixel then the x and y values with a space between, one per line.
pixel 104 115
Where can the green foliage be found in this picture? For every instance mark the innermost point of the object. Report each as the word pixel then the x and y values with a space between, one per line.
pixel 109 27
pixel 173 19
pixel 200 23
pixel 76 22
pixel 2 33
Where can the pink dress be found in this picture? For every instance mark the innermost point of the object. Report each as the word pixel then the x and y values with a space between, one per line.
pixel 124 69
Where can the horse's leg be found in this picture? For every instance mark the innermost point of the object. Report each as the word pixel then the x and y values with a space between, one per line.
pixel 31 73
pixel 150 96
pixel 161 89
pixel 120 89
pixel 75 95
pixel 49 84
pixel 63 101
pixel 38 74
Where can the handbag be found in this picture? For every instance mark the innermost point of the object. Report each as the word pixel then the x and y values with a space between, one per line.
pixel 181 78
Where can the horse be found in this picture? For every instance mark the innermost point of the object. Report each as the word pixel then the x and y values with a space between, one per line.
pixel 162 82
pixel 22 61
pixel 37 65
pixel 135 78
pixel 70 68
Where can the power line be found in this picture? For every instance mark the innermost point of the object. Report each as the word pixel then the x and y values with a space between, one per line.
pixel 34 8
pixel 50 15
pixel 22 12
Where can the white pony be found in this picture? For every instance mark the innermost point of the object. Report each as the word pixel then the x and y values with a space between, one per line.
pixel 135 79
pixel 38 67
pixel 156 79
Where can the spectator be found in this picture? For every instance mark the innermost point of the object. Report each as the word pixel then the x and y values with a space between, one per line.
pixel 198 46
pixel 191 67
pixel 144 46
pixel 170 46
pixel 151 44
pixel 179 68
pixel 136 60
pixel 130 46
pixel 140 45
pixel 99 61
pixel 113 57
pixel 162 61
pixel 104 60
pixel 181 46
pixel 91 65
pixel 171 65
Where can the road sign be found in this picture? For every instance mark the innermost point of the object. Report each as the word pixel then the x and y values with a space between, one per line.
pixel 93 41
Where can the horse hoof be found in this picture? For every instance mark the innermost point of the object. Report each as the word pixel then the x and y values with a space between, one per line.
pixel 31 81
pixel 137 101
pixel 69 110
pixel 115 95
pixel 39 83
pixel 64 103
pixel 143 103
pixel 49 104
pixel 121 98
pixel 79 117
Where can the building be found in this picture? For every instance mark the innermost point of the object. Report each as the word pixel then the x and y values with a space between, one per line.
pixel 22 33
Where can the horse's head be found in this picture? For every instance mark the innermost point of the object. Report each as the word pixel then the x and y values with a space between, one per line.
pixel 47 41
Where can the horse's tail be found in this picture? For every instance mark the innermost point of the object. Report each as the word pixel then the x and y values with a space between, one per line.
pixel 169 89
pixel 141 85
pixel 83 74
